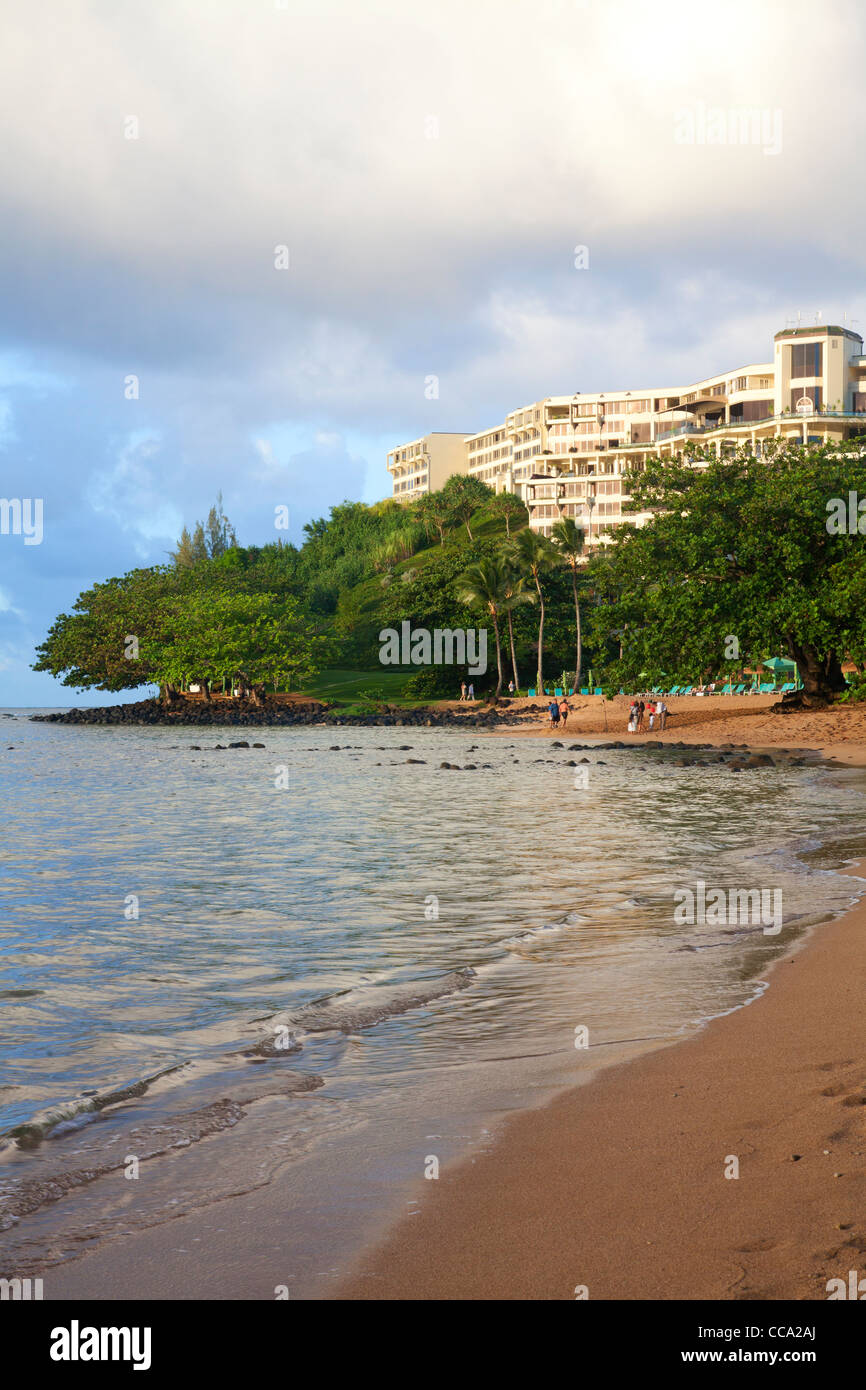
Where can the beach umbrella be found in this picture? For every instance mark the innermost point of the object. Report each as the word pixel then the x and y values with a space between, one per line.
pixel 780 665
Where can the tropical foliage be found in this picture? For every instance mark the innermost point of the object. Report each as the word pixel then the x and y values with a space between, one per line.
pixel 744 558
pixel 739 561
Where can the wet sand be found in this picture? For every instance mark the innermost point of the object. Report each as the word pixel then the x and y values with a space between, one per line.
pixel 838 732
pixel 620 1186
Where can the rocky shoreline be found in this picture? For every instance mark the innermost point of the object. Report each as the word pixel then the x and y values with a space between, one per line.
pixel 736 757
pixel 241 714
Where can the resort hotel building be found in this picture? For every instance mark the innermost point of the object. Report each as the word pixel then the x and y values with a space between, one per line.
pixel 567 455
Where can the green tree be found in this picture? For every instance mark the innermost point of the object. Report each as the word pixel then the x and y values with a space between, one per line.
pixel 569 540
pixel 485 585
pixel 219 532
pixel 509 507
pixel 534 556
pixel 463 494
pixel 434 513
pixel 99 644
pixel 742 556
pixel 515 595
pixel 249 638
pixel 209 540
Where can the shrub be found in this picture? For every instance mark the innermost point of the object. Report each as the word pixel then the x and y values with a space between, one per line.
pixel 434 683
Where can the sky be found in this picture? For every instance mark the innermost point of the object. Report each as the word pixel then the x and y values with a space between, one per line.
pixel 240 237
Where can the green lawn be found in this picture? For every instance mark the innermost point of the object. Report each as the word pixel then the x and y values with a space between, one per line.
pixel 344 687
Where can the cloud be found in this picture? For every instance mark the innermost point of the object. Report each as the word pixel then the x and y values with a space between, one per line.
pixel 430 169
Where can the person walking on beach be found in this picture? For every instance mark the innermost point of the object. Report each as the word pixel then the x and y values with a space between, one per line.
pixel 662 711
pixel 470 694
pixel 651 711
pixel 564 711
pixel 511 687
pixel 462 690
pixel 632 717
pixel 640 713
pixel 553 711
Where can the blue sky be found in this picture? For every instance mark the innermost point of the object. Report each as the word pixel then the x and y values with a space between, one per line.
pixel 430 170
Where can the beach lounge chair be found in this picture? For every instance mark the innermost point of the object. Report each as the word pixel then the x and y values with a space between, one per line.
pixel 687 690
pixel 584 690
pixel 558 691
pixel 738 689
pixel 767 688
pixel 597 690
pixel 728 690
pixel 530 692
pixel 789 685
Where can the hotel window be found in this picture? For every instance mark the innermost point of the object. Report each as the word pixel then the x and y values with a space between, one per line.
pixel 814 394
pixel 753 410
pixel 806 360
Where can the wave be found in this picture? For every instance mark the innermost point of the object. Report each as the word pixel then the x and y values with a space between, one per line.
pixel 30 1134
pixel 171 1133
pixel 354 1009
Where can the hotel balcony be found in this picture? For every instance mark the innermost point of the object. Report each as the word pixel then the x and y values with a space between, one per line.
pixel 787 418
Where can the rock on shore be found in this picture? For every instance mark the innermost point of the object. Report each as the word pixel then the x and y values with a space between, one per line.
pixel 300 713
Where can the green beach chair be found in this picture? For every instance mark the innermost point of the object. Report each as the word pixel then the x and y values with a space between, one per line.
pixel 597 690
pixel 530 692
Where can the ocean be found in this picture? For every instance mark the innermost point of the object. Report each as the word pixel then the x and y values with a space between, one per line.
pixel 326 966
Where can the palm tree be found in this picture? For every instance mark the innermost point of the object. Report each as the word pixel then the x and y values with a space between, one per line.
pixel 569 539
pixel 515 594
pixel 483 585
pixel 535 556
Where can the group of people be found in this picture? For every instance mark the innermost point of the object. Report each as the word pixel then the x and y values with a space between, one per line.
pixel 467 692
pixel 559 710
pixel 652 710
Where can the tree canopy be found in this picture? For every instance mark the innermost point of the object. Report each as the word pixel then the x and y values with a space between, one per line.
pixel 740 561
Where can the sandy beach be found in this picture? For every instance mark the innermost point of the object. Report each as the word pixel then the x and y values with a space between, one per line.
pixel 617 1185
pixel 620 1186
pixel 838 733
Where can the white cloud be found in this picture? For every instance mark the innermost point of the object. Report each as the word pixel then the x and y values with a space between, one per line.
pixel 131 492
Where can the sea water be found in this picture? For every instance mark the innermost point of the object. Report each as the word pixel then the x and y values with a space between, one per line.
pixel 313 968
